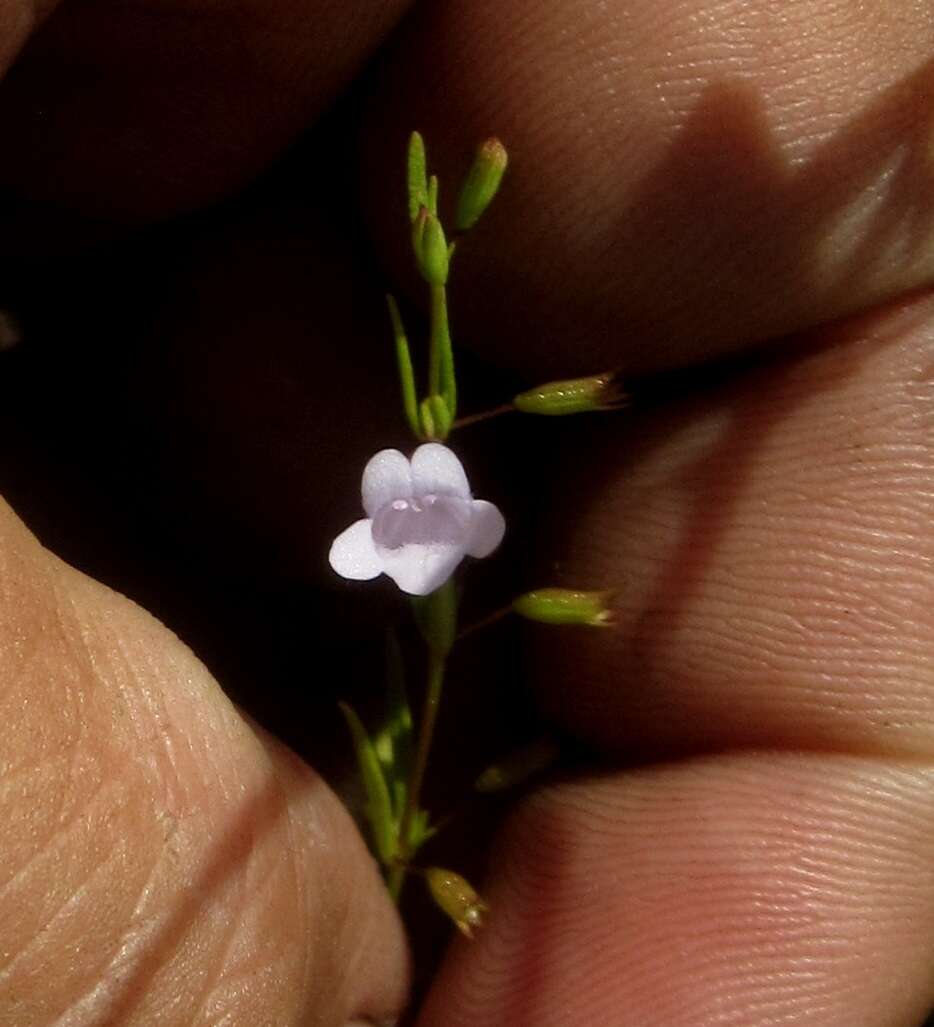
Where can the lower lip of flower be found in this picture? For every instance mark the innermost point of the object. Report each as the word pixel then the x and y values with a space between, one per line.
pixel 429 520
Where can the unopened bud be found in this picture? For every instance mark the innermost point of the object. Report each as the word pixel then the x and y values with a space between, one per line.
pixel 431 248
pixel 418 234
pixel 436 418
pixel 518 766
pixel 573 396
pixel 565 606
pixel 456 897
pixel 481 184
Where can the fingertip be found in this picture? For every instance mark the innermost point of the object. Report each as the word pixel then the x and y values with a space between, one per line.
pixel 750 889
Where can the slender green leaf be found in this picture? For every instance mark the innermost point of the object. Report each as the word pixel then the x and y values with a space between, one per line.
pixel 406 371
pixel 432 203
pixel 379 806
pixel 416 175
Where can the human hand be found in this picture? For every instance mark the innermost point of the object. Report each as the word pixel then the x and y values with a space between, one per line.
pixel 687 184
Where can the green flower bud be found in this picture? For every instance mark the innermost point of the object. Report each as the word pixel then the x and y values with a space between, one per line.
pixel 481 184
pixel 436 418
pixel 418 234
pixel 565 606
pixel 455 896
pixel 573 396
pixel 432 249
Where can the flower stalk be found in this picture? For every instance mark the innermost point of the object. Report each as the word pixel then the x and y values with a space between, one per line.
pixel 442 350
pixel 426 732
pixel 436 616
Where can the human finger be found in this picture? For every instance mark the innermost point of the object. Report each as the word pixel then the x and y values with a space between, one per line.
pixel 160 861
pixel 769 545
pixel 744 889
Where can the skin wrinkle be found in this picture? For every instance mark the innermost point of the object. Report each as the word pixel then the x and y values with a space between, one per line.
pixel 200 1002
pixel 23 657
pixel 140 680
pixel 121 963
pixel 58 914
pixel 57 837
pixel 257 886
pixel 161 761
pixel 113 960
pixel 156 950
pixel 164 758
pixel 57 817
pixel 77 803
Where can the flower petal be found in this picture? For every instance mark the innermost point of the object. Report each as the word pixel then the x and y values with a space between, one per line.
pixel 436 470
pixel 418 569
pixel 353 554
pixel 387 476
pixel 487 527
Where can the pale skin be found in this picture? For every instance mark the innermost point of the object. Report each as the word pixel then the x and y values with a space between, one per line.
pixel 690 180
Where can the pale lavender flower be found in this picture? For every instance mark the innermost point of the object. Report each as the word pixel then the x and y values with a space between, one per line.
pixel 421 521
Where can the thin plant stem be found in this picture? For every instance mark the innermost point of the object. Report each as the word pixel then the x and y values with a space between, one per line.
pixel 485 622
pixel 434 345
pixel 484 415
pixel 441 380
pixel 426 730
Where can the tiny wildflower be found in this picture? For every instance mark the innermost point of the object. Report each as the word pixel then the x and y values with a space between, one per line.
pixel 421 521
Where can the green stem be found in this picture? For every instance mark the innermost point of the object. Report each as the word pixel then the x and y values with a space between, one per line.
pixel 492 618
pixel 426 732
pixel 441 380
pixel 484 415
